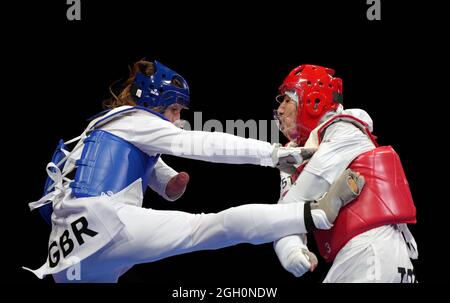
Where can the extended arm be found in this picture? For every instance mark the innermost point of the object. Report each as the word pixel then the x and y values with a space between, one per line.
pixel 154 135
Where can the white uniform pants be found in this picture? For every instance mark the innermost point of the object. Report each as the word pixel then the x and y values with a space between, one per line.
pixel 150 235
pixel 379 255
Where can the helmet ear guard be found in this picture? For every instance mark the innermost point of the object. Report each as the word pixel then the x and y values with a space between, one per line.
pixel 160 89
pixel 318 92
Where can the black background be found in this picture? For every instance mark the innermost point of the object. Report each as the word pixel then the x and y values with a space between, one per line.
pixel 234 55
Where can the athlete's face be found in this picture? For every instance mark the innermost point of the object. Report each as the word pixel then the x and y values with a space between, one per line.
pixel 173 112
pixel 287 116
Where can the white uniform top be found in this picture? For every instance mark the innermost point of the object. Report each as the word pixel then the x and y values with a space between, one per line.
pixel 341 144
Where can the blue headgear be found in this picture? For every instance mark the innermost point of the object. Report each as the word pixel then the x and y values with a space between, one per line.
pixel 158 90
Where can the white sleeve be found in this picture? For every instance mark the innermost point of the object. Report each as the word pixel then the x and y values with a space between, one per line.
pixel 159 178
pixel 307 187
pixel 154 135
pixel 286 247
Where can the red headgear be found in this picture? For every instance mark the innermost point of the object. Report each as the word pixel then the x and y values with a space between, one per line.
pixel 318 92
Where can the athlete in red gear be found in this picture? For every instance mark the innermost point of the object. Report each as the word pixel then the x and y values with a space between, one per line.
pixel 369 241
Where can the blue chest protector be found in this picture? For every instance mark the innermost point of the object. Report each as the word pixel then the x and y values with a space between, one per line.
pixel 107 164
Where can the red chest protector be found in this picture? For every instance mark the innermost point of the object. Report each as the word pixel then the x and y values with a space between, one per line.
pixel 386 197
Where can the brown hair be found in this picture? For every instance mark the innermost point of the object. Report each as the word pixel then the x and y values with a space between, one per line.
pixel 124 97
